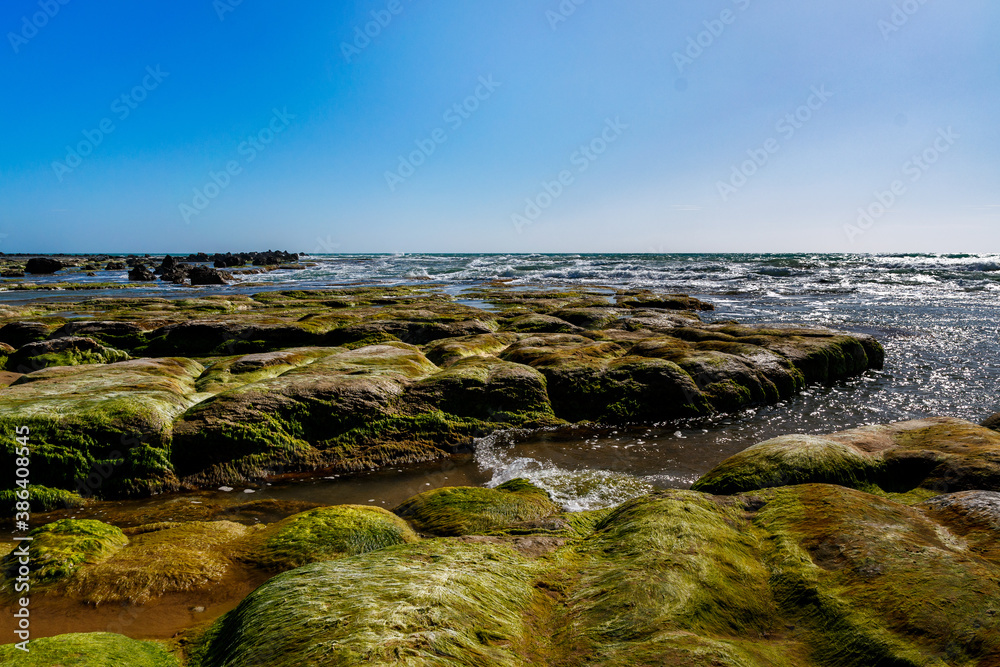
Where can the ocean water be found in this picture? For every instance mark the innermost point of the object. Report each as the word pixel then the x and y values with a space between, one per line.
pixel 938 317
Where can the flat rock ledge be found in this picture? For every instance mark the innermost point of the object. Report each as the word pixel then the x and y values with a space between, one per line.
pixel 135 396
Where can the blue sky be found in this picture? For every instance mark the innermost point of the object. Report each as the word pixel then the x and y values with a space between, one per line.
pixel 638 126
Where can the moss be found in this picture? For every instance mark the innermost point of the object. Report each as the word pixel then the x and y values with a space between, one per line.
pixel 41 499
pixel 475 510
pixel 60 548
pixel 426 604
pixel 180 558
pixel 96 649
pixel 664 564
pixel 906 460
pixel 447 351
pixel 790 459
pixel 327 533
pixel 868 581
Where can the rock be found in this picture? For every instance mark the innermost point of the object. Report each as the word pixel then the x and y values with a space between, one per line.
pixel 96 649
pixel 468 510
pixel 115 266
pixel 161 560
pixel 646 299
pixel 202 275
pixel 122 335
pixel 140 273
pixel 327 533
pixel 259 426
pixel 41 499
pixel 472 594
pixel 43 265
pixel 934 455
pixel 108 425
pixel 18 334
pixel 226 338
pixel 58 549
pixel 168 265
pixel 64 351
pixel 535 323
pixel 993 422
pixel 12 273
pixel 802 575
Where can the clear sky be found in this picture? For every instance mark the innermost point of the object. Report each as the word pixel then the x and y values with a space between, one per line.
pixel 500 125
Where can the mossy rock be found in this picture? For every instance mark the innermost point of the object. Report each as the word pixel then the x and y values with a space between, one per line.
pixel 536 323
pixel 327 533
pixel 59 549
pixel 108 425
pixel 67 351
pixel 168 558
pixel 868 581
pixel 485 388
pixel 282 422
pixel 41 499
pixel 791 459
pixel 232 372
pixel 647 299
pixel 920 458
pixel 447 351
pixel 432 603
pixel 95 649
pixel 467 510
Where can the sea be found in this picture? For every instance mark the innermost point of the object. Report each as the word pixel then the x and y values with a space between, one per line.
pixel 937 315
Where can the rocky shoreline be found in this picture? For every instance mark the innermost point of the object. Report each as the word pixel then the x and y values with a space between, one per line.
pixel 789 571
pixel 874 546
pixel 172 394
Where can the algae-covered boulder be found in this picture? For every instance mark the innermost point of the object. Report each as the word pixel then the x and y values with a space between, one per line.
pixel 160 559
pixel 467 510
pixel 59 549
pixel 106 427
pixel 96 649
pixel 431 603
pixel 925 456
pixel 41 499
pixel 326 533
pixel 65 351
pixel 293 419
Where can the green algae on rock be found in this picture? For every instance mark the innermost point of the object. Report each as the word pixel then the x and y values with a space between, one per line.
pixel 96 649
pixel 41 499
pixel 327 533
pixel 919 457
pixel 112 421
pixel 271 395
pixel 57 550
pixel 467 510
pixel 161 559
pixel 798 576
pixel 429 603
